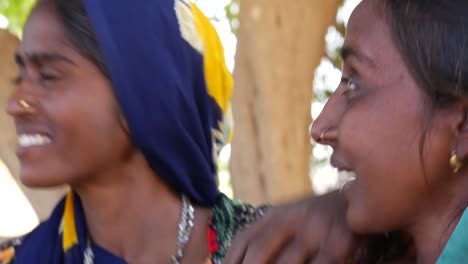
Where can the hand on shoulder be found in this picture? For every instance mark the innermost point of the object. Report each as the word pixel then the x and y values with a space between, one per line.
pixel 310 229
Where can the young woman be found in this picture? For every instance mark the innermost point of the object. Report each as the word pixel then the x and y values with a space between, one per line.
pixel 127 102
pixel 399 122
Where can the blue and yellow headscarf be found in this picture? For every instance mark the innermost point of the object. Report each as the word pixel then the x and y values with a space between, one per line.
pixel 167 68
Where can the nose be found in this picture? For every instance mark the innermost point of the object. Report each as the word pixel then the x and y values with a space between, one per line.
pixel 324 130
pixel 323 135
pixel 21 103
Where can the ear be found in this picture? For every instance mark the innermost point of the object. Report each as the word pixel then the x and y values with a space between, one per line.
pixel 459 119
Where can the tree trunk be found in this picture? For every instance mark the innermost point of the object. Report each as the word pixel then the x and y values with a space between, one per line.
pixel 280 45
pixel 42 201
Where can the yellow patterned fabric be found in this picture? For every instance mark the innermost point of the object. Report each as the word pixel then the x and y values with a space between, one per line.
pixel 6 255
pixel 70 237
pixel 197 30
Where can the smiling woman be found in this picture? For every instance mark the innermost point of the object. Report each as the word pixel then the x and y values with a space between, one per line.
pixel 130 116
pixel 399 119
pixel 397 123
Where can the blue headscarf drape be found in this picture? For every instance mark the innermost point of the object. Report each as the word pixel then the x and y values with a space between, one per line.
pixel 167 68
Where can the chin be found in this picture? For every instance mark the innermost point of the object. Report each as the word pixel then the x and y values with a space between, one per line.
pixel 361 221
pixel 37 179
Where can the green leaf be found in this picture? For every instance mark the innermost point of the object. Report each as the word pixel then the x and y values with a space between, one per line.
pixel 16 11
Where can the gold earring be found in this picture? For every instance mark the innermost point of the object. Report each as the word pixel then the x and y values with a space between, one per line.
pixel 24 104
pixel 455 163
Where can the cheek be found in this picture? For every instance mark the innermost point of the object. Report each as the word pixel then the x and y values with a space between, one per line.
pixel 437 155
pixel 89 136
pixel 381 139
pixel 93 128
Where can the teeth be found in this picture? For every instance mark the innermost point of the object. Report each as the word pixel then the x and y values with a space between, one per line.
pixel 29 140
pixel 347 175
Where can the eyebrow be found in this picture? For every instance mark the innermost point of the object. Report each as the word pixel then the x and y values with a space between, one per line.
pixel 41 58
pixel 347 52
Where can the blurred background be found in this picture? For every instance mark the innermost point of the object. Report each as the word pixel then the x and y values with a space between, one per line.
pixel 285 61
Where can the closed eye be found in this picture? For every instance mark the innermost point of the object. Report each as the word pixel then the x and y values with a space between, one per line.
pixel 17 80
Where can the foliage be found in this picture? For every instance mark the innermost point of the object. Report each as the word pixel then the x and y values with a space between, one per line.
pixel 232 13
pixel 16 11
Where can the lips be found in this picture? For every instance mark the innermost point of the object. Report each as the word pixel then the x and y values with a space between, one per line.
pixel 344 172
pixel 32 135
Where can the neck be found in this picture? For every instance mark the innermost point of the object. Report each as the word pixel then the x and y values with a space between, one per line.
pixel 436 223
pixel 134 215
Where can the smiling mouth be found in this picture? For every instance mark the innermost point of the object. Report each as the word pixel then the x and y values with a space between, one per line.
pixel 33 140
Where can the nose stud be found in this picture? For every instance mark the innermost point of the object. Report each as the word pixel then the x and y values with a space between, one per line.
pixel 322 135
pixel 24 104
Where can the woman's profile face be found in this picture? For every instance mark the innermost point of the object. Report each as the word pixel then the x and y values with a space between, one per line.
pixel 375 122
pixel 71 129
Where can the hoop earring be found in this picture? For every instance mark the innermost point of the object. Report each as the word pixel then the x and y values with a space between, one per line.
pixel 455 163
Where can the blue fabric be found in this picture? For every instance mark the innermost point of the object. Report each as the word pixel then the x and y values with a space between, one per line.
pixel 44 244
pixel 103 256
pixel 159 82
pixel 456 250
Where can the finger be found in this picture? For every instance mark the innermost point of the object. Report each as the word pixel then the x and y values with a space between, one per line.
pixel 260 241
pixel 339 243
pixel 295 237
pixel 243 238
pixel 296 252
pixel 323 258
pixel 268 242
pixel 236 252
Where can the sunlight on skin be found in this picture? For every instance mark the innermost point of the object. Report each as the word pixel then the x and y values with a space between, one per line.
pixel 17 215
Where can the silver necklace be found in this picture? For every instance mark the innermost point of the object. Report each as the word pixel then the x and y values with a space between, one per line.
pixel 185 230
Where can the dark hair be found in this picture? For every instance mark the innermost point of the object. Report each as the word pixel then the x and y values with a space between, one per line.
pixel 432 36
pixel 80 32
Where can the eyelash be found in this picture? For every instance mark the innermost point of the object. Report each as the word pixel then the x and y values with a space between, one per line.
pixel 350 84
pixel 42 78
pixel 47 77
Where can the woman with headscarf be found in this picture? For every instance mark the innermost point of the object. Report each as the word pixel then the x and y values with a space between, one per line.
pixel 127 102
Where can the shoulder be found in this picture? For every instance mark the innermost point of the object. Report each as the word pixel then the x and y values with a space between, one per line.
pixel 234 214
pixel 228 217
pixel 35 247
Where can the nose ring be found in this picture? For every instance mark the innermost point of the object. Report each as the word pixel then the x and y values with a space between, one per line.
pixel 24 104
pixel 322 135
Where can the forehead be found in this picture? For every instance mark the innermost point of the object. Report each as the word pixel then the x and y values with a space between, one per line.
pixel 369 32
pixel 43 32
